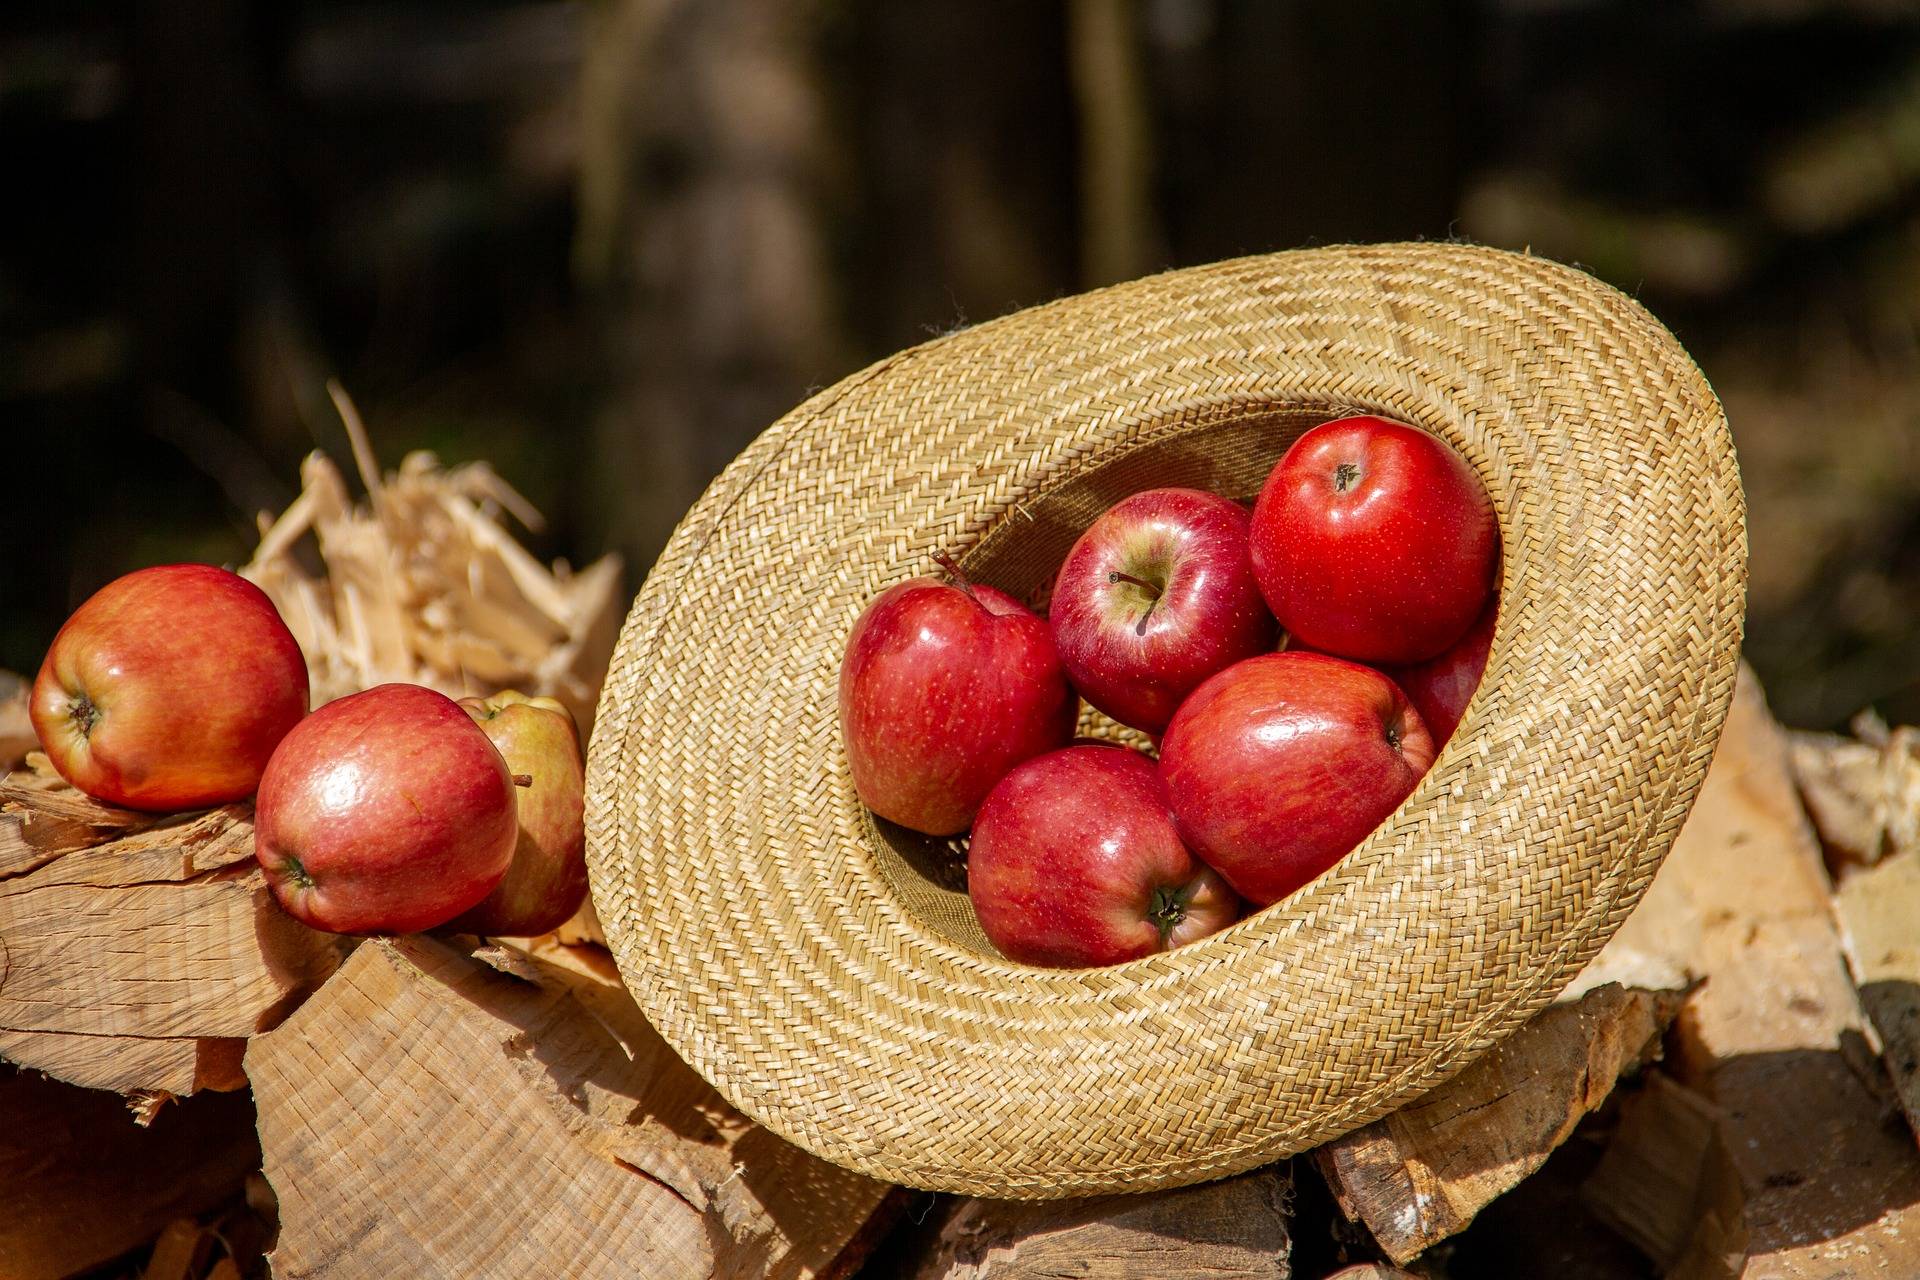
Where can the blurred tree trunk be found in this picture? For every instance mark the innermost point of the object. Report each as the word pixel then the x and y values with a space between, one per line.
pixel 960 123
pixel 1292 123
pixel 1119 239
pixel 701 241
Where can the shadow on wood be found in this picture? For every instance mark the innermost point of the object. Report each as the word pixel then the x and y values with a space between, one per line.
pixel 85 1182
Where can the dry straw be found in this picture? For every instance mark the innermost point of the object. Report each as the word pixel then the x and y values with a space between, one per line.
pixel 826 973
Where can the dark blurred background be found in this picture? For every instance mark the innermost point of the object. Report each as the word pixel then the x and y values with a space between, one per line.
pixel 604 244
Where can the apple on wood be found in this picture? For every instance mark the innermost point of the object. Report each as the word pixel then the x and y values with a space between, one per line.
pixel 169 689
pixel 1075 862
pixel 548 879
pixel 385 812
pixel 945 687
pixel 1375 541
pixel 1157 595
pixel 1278 766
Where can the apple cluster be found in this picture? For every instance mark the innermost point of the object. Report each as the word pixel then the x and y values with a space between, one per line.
pixel 1298 668
pixel 388 811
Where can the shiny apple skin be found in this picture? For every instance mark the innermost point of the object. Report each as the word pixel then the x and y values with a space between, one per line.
pixel 189 679
pixel 1278 766
pixel 1073 853
pixel 1375 541
pixel 942 691
pixel 547 882
pixel 385 812
pixel 1441 688
pixel 1137 653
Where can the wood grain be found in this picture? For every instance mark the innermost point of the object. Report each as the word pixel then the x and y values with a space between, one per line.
pixel 133 964
pixel 1231 1230
pixel 547 1130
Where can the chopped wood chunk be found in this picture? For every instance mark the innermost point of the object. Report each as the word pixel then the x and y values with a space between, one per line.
pixel 39 823
pixel 1668 1184
pixel 1775 1037
pixel 180 1253
pixel 135 964
pixel 83 1183
pixel 16 728
pixel 1863 795
pixel 1879 910
pixel 549 1128
pixel 1421 1174
pixel 1232 1229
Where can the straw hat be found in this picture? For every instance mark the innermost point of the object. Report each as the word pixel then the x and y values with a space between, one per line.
pixel 826 972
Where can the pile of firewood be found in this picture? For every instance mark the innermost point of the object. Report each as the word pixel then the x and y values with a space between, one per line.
pixel 197 1079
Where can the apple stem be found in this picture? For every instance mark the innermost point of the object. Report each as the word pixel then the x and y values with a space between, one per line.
pixel 959 576
pixel 522 779
pixel 1344 475
pixel 1144 585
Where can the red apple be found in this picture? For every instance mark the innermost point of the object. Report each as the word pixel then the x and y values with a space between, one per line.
pixel 1441 688
pixel 943 689
pixel 1375 541
pixel 1278 766
pixel 1157 595
pixel 169 689
pixel 1075 862
pixel 385 812
pixel 548 879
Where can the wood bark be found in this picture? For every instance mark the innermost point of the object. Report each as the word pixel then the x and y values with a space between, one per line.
pixel 1232 1229
pixel 135 952
pixel 1420 1175
pixel 544 1128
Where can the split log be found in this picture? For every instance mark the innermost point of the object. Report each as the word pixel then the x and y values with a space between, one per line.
pixel 1879 910
pixel 1863 793
pixel 548 1128
pixel 1775 1037
pixel 1420 1175
pixel 180 1253
pixel 1236 1228
pixel 1372 1271
pixel 84 1183
pixel 140 964
pixel 1668 1184
pixel 41 821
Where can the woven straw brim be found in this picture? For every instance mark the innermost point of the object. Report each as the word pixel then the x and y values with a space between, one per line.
pixel 826 973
